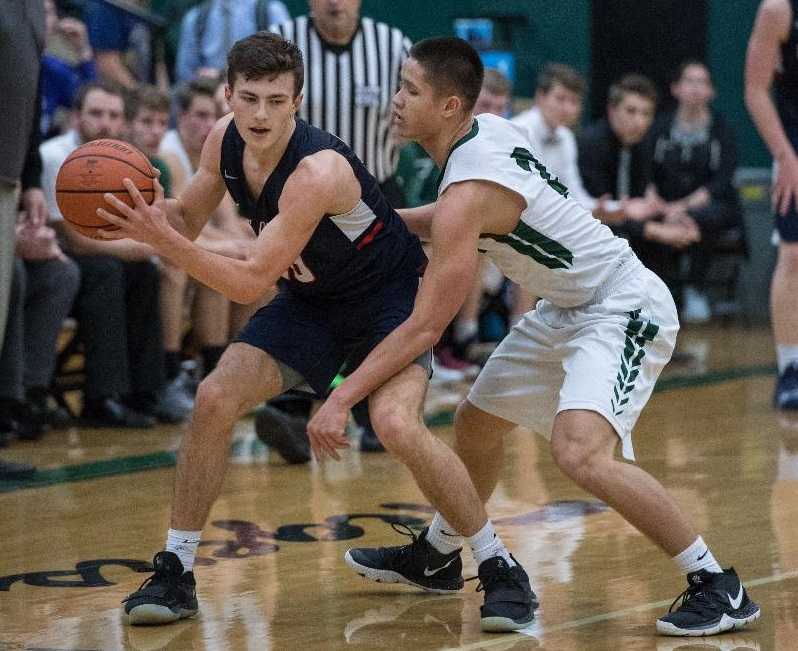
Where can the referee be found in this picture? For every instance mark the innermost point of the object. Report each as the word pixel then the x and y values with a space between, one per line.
pixel 352 69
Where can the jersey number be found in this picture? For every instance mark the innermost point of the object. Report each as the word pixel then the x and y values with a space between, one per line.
pixel 299 272
pixel 527 161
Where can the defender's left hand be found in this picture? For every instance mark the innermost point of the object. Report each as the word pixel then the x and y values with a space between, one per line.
pixel 326 430
pixel 145 222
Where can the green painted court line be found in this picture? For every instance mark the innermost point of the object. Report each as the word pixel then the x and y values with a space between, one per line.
pixel 714 377
pixel 125 465
pixel 93 470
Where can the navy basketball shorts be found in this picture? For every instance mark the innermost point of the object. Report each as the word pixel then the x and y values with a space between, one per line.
pixel 317 337
pixel 787 225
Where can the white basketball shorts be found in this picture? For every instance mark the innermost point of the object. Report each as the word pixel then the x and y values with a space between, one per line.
pixel 604 356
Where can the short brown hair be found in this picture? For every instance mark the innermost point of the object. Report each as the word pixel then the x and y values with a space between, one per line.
pixel 496 83
pixel 201 87
pixel 80 96
pixel 265 54
pixel 632 83
pixel 559 73
pixel 146 98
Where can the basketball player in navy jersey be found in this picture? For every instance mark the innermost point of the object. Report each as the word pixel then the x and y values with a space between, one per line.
pixel 348 272
pixel 773 60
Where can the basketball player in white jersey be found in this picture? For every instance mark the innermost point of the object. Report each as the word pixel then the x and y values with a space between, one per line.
pixel 578 369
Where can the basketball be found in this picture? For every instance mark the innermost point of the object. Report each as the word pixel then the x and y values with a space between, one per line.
pixel 92 170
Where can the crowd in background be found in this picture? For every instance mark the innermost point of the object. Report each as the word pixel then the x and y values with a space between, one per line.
pixel 663 181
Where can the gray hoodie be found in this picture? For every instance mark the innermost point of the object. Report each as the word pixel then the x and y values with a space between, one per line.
pixel 21 46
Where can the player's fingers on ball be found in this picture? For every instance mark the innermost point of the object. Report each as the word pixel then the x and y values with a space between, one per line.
pixel 159 192
pixel 118 205
pixel 110 234
pixel 134 193
pixel 111 217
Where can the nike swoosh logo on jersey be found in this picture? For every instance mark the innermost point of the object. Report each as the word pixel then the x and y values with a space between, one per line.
pixel 230 178
pixel 704 554
pixel 735 603
pixel 429 572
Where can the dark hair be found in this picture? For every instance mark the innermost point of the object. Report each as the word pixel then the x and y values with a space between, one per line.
pixel 146 98
pixel 559 73
pixel 687 64
pixel 496 83
pixel 201 87
pixel 632 83
pixel 451 66
pixel 80 95
pixel 265 54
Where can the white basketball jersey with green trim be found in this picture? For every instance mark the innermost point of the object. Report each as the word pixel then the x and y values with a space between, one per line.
pixel 558 250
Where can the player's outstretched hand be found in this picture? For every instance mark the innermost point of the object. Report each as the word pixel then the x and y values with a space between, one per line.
pixel 326 430
pixel 144 222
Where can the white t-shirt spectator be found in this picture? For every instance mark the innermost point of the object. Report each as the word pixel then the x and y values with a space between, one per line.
pixel 557 150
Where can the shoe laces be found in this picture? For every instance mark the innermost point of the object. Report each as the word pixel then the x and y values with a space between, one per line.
pixel 503 574
pixel 693 599
pixel 161 576
pixel 405 553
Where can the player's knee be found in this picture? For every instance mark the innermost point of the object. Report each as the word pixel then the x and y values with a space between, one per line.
pixel 396 427
pixel 576 459
pixel 212 400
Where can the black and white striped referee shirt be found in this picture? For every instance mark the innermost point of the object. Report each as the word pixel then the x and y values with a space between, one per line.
pixel 348 89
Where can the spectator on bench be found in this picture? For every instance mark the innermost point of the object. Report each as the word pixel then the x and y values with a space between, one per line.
pixel 209 30
pixel 614 162
pixel 117 303
pixel 694 160
pixel 44 285
pixel 224 234
pixel 124 45
pixel 61 79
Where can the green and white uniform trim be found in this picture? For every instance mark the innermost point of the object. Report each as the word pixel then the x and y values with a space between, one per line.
pixel 557 251
pixel 606 325
pixel 638 333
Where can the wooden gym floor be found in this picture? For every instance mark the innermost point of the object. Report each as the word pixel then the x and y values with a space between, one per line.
pixel 74 541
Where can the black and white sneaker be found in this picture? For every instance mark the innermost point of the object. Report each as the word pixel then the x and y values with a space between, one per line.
pixel 285 433
pixel 510 602
pixel 712 604
pixel 785 395
pixel 418 564
pixel 168 595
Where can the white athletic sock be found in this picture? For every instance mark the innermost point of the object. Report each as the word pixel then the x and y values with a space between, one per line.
pixel 786 355
pixel 442 536
pixel 486 544
pixel 697 557
pixel 464 330
pixel 184 544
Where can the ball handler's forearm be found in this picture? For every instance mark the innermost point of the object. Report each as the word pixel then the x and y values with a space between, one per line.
pixel 178 220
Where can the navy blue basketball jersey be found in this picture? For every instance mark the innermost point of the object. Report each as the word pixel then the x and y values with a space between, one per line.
pixel 786 80
pixel 348 255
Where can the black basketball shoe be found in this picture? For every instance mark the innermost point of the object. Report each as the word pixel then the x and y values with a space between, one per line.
pixel 712 604
pixel 509 601
pixel 418 564
pixel 168 595
pixel 285 433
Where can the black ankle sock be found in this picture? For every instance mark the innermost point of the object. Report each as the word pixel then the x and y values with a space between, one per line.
pixel 172 364
pixel 210 358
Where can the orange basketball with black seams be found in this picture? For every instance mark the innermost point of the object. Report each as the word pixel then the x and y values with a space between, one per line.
pixel 92 170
